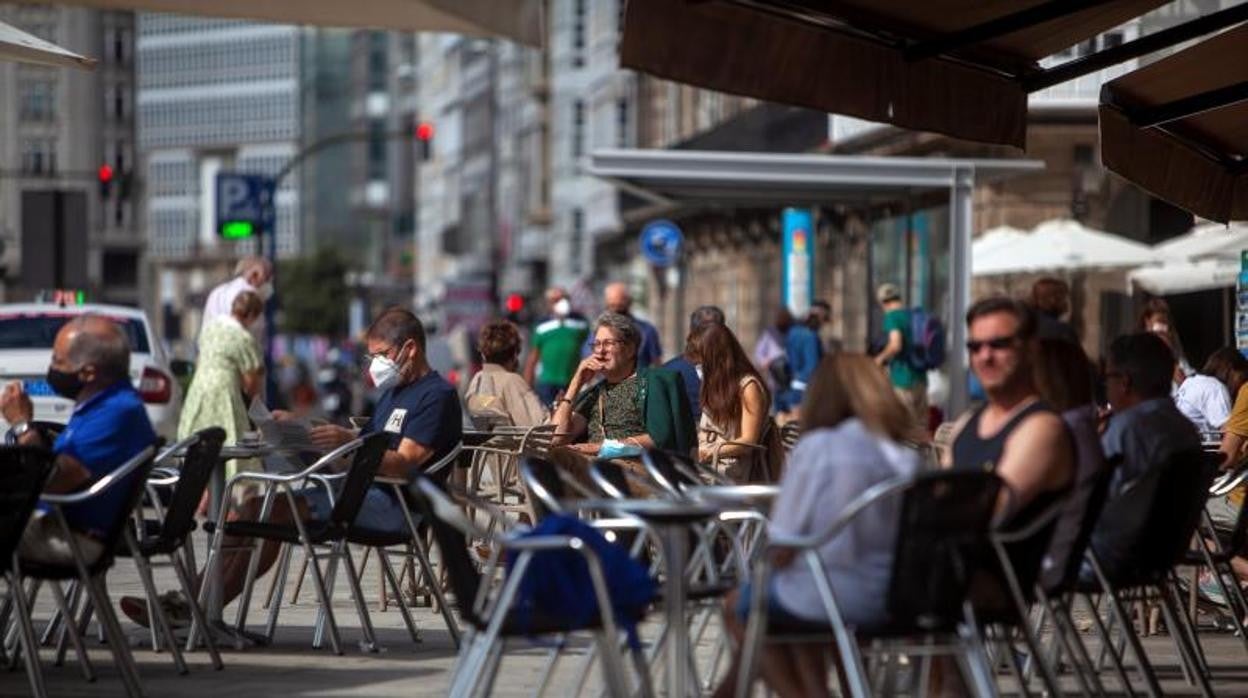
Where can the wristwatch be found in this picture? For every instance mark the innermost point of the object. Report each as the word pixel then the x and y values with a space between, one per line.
pixel 17 431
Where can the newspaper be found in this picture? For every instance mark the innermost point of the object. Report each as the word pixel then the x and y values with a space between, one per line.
pixel 288 435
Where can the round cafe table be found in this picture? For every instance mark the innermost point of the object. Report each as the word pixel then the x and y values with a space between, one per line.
pixel 671 520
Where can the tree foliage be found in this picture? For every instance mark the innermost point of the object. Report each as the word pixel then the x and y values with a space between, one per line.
pixel 314 294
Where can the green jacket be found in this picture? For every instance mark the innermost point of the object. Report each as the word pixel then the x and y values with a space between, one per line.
pixel 664 406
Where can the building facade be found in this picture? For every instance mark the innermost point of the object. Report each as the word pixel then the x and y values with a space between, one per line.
pixel 60 131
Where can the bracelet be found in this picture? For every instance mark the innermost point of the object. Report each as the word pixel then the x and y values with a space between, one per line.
pixel 563 399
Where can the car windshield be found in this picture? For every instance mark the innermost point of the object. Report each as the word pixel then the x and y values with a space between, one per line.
pixel 38 330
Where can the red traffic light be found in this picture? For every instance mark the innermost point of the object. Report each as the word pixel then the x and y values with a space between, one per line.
pixel 424 131
pixel 515 303
pixel 105 173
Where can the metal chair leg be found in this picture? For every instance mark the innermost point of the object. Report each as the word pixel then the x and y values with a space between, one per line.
pixel 197 611
pixel 157 617
pixel 71 633
pixel 116 638
pixel 388 572
pixel 34 673
pixel 327 601
pixel 361 605
pixel 279 590
pixel 1127 628
pixel 1187 652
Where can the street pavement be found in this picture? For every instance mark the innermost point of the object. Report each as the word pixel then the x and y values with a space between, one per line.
pixel 291 667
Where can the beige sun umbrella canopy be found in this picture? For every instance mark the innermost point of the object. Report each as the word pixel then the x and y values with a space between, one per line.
pixel 21 47
pixel 1063 245
pixel 517 20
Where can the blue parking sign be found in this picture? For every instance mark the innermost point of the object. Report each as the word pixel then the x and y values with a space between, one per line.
pixel 245 204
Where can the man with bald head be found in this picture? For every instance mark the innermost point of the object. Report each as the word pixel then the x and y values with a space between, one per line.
pixel 617 299
pixel 108 427
pixel 253 274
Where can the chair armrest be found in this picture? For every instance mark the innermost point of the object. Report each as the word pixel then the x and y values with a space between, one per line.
pixel 851 511
pixel 104 483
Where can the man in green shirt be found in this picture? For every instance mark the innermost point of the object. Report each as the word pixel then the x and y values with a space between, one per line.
pixel 909 383
pixel 556 347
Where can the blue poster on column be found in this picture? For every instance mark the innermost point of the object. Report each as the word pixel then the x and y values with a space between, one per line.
pixel 798 255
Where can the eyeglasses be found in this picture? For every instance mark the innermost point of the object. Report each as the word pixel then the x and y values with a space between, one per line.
pixel 974 345
pixel 367 359
pixel 605 344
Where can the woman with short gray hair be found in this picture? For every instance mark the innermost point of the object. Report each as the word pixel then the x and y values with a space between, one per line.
pixel 609 398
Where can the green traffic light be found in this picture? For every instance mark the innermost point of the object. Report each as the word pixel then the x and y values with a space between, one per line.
pixel 237 230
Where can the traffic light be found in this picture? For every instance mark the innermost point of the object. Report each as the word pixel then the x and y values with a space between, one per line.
pixel 515 303
pixel 424 136
pixel 105 177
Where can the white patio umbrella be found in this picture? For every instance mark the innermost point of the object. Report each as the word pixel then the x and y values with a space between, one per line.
pixel 994 239
pixel 1205 241
pixel 1064 244
pixel 518 20
pixel 1186 277
pixel 21 47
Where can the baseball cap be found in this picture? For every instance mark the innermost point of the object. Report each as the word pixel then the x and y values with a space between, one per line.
pixel 888 292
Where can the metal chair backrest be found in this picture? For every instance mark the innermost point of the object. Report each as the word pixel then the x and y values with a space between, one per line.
pixel 789 434
pixel 541 479
pixel 662 468
pixel 445 519
pixel 364 466
pixel 198 462
pixel 1087 501
pixel 944 527
pixel 23 472
pixel 132 487
pixel 610 479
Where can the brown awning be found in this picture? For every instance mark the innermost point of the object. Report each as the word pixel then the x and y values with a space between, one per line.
pixel 1178 128
pixel 956 67
pixel 518 20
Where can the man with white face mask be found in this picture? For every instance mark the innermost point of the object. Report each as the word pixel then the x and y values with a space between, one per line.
pixel 253 274
pixel 556 347
pixel 418 410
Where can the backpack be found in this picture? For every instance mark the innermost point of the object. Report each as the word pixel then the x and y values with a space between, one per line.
pixel 557 582
pixel 927 341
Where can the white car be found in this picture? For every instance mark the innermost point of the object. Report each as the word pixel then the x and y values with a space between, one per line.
pixel 27 331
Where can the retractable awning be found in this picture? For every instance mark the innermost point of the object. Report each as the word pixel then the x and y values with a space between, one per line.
pixel 518 20
pixel 773 179
pixel 958 67
pixel 1178 128
pixel 21 47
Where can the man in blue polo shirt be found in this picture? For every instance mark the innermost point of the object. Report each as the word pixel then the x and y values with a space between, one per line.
pixel 418 409
pixel 109 426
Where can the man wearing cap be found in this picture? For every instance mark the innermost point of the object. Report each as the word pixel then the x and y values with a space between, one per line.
pixel 909 383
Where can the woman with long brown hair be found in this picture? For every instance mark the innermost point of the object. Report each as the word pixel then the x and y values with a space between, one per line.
pixel 854 429
pixel 734 404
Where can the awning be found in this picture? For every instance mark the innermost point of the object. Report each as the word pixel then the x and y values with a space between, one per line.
pixel 958 67
pixel 17 45
pixel 518 20
pixel 772 179
pixel 1178 128
pixel 1207 241
pixel 1186 277
pixel 994 240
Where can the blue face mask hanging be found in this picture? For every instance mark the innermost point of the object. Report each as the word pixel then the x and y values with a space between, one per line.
pixel 618 449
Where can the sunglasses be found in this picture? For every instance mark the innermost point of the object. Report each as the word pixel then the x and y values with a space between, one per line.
pixel 974 345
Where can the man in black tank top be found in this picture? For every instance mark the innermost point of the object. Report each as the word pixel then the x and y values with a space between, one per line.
pixel 1014 434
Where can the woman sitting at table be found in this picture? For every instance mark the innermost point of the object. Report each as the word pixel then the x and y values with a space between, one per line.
pixel 229 370
pixel 854 432
pixel 734 406
pixel 609 398
pixel 497 394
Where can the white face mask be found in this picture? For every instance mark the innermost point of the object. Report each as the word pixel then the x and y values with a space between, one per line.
pixel 698 368
pixel 1159 328
pixel 562 307
pixel 265 291
pixel 384 372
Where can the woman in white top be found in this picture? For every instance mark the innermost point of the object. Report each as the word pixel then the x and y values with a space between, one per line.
pixel 854 426
pixel 734 405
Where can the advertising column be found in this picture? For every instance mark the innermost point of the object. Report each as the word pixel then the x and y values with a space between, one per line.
pixel 798 279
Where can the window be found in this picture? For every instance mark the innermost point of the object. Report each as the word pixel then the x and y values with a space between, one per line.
pixel 39 157
pixel 577 252
pixel 377 60
pixel 36 100
pixel 623 133
pixel 578 129
pixel 578 33
pixel 376 149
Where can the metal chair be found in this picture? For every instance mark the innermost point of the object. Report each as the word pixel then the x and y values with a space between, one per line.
pixel 492 617
pixel 168 535
pixel 944 524
pixel 1155 516
pixel 128 479
pixel 23 472
pixel 366 456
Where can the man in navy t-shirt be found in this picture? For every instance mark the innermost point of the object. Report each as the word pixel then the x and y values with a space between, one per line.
pixel 108 427
pixel 418 409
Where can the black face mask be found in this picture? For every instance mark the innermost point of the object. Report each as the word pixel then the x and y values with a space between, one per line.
pixel 64 383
